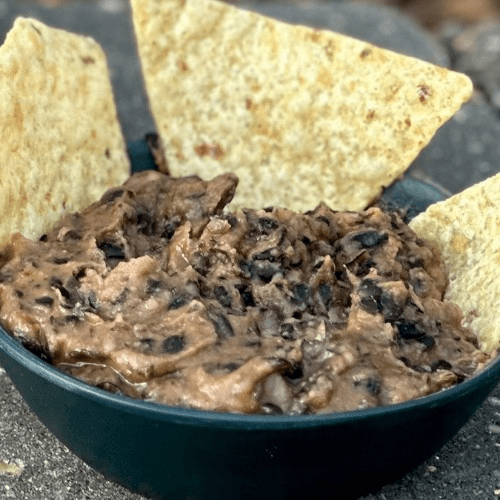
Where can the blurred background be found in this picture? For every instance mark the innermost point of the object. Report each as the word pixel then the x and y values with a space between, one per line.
pixel 462 26
pixel 430 13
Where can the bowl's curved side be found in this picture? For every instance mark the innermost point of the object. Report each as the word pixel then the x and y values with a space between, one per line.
pixel 172 453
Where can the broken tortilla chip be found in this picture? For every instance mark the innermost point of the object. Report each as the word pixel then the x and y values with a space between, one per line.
pixel 300 115
pixel 62 145
pixel 466 229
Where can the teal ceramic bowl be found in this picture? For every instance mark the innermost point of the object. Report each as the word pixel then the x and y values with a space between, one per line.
pixel 174 453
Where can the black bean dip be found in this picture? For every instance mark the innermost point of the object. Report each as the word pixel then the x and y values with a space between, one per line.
pixel 157 292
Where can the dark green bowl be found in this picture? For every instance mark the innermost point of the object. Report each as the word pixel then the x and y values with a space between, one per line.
pixel 173 453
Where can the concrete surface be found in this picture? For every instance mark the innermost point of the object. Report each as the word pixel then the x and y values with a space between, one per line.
pixel 34 465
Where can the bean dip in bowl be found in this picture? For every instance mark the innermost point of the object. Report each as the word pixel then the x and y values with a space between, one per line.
pixel 172 452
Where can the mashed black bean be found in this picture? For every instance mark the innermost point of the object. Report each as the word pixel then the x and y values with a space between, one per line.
pixel 157 292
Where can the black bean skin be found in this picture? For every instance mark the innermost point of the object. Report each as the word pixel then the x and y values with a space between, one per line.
pixel 248 268
pixel 266 225
pixel 170 229
pixel 223 296
pixel 265 255
pixel 111 251
pixel 419 286
pixel 111 196
pixel 427 341
pixel 370 304
pixel 37 350
pixel 58 284
pixel 286 331
pixel 375 299
pixel 389 308
pixel 55 282
pixel 246 295
pixel 370 287
pixel 248 299
pixel 322 218
pixel 71 318
pixel 301 293
pixel 325 292
pixel 173 344
pixel 60 260
pixel 416 262
pixel 200 263
pixel 370 300
pixel 294 373
pixel 233 221
pixel 222 326
pixel 45 301
pixel 72 235
pixel 153 286
pixel 144 221
pixel 92 299
pixel 373 386
pixel 370 239
pixel 113 254
pixel 122 297
pixel 230 367
pixel 265 270
pixel 80 273
pixel 6 277
pixel 406 361
pixel 408 331
pixel 441 364
pixel 147 344
pixel 362 265
pixel 177 302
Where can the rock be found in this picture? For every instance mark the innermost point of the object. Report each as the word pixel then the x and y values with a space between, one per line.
pixel 433 13
pixel 476 52
pixel 382 26
pixel 464 151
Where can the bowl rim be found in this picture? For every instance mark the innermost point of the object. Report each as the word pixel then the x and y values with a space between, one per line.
pixel 14 349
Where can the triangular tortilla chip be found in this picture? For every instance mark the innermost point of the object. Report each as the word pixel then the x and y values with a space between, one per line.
pixel 300 115
pixel 61 144
pixel 466 229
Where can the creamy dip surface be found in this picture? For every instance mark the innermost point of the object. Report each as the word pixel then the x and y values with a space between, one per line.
pixel 157 292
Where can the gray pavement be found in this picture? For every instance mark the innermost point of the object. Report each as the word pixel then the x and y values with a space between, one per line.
pixel 34 465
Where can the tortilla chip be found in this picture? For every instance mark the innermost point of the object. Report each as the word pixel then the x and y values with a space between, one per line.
pixel 300 115
pixel 466 229
pixel 61 145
